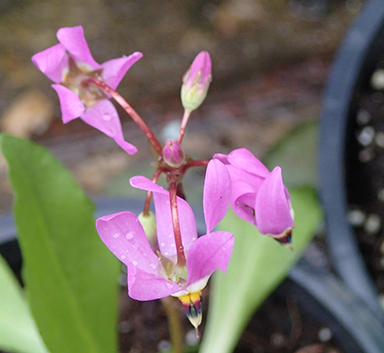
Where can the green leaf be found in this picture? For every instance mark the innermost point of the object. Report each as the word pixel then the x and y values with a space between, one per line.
pixel 18 331
pixel 70 276
pixel 258 264
pixel 296 155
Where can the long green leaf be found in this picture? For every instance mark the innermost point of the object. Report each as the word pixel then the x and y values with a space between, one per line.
pixel 258 264
pixel 18 331
pixel 70 276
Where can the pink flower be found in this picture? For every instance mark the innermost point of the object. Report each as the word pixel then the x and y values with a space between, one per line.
pixel 153 275
pixel 70 65
pixel 196 82
pixel 259 196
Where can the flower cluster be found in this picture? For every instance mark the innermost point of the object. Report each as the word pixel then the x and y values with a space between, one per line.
pixel 163 252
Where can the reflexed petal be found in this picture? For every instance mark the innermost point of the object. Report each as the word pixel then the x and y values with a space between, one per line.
pixel 146 286
pixel 208 253
pixel 52 62
pixel 143 183
pixel 71 106
pixel 273 212
pixel 123 234
pixel 72 38
pixel 223 158
pixel 114 70
pixel 217 193
pixel 245 160
pixel 103 116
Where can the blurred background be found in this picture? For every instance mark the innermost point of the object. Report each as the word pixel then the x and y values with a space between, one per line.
pixel 270 60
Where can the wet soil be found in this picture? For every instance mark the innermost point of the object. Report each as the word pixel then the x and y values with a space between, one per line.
pixel 281 325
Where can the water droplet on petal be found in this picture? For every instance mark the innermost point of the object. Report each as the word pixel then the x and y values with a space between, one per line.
pixel 122 257
pixel 153 266
pixel 106 117
pixel 135 246
pixel 134 263
pixel 173 245
pixel 162 244
pixel 170 235
pixel 116 235
pixel 129 235
pixel 169 285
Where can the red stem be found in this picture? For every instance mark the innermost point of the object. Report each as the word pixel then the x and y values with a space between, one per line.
pixel 149 193
pixel 199 163
pixel 183 125
pixel 176 225
pixel 132 113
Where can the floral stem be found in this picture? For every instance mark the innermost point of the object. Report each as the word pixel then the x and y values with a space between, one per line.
pixel 149 193
pixel 132 113
pixel 183 126
pixel 176 225
pixel 199 163
pixel 174 324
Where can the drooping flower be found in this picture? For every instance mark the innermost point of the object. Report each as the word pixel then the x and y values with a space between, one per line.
pixel 196 82
pixel 70 65
pixel 259 196
pixel 155 274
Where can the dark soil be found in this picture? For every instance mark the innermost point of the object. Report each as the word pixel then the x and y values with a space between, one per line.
pixel 365 177
pixel 279 326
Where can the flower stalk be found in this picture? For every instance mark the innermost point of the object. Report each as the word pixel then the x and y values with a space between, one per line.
pixel 131 112
pixel 176 225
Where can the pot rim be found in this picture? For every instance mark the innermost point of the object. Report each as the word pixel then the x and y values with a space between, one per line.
pixel 357 50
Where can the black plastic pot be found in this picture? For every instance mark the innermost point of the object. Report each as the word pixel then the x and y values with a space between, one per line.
pixel 351 72
pixel 319 293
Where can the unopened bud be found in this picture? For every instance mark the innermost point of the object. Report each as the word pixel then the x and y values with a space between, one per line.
pixel 196 82
pixel 149 224
pixel 173 153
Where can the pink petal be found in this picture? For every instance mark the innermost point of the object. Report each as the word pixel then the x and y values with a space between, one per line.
pixel 146 286
pixel 243 201
pixel 202 63
pixel 72 38
pixel 123 234
pixel 165 234
pixel 273 214
pixel 245 160
pixel 103 116
pixel 71 106
pixel 52 62
pixel 217 193
pixel 143 183
pixel 223 158
pixel 208 253
pixel 114 70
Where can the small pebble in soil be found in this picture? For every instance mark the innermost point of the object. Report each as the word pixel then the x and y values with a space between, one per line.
pixel 325 334
pixel 381 300
pixel 377 79
pixel 356 218
pixel 373 224
pixel 380 195
pixel 164 346
pixel 124 327
pixel 379 139
pixel 123 280
pixel 277 339
pixel 366 135
pixel 191 339
pixel 366 155
pixel 363 117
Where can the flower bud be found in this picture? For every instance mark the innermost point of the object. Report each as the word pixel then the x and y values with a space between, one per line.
pixel 149 224
pixel 196 82
pixel 173 153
